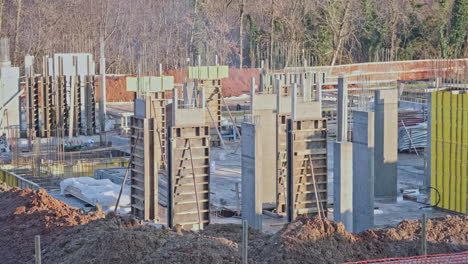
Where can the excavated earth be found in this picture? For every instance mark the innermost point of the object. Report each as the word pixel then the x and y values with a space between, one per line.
pixel 72 237
pixel 27 213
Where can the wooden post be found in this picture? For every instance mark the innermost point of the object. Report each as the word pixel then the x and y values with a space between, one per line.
pixel 245 239
pixel 237 199
pixel 37 249
pixel 423 236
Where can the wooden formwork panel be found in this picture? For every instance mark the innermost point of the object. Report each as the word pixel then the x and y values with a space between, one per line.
pixel 282 166
pixel 144 170
pixel 189 177
pixel 449 151
pixel 307 167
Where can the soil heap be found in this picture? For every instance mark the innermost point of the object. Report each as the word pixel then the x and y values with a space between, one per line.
pixel 26 213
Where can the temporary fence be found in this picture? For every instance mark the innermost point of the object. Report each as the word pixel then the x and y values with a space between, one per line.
pixel 455 258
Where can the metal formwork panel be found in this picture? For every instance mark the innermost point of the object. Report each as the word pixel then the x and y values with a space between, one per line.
pixel 32 106
pixel 158 113
pixel 282 167
pixel 189 177
pixel 90 104
pixel 307 167
pixel 61 114
pixel 213 105
pixel 47 105
pixel 144 170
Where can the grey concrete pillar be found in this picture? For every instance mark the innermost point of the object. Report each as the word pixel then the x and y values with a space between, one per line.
pixel 251 149
pixel 294 102
pixel 102 90
pixel 318 90
pixel 363 171
pixel 386 144
pixel 175 105
pixel 252 95
pixel 343 184
pixel 28 65
pixel 342 123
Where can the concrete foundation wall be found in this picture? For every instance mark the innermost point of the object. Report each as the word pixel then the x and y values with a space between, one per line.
pixel 252 180
pixel 386 144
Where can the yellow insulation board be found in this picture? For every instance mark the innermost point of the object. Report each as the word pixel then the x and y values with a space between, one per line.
pixel 449 150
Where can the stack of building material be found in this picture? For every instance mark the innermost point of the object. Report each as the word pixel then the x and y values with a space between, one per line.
pixel 410 117
pixel 412 137
pixel 93 192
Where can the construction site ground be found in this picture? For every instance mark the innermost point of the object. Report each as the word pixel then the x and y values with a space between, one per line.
pixel 69 235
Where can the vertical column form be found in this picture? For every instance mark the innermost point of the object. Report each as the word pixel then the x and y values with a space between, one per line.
pixel 102 90
pixel 386 144
pixel 251 175
pixel 252 95
pixel 363 171
pixel 294 102
pixel 343 183
pixel 318 89
pixel 342 124
pixel 175 105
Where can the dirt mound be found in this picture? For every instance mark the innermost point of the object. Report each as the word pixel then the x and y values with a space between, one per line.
pixel 122 240
pixel 117 240
pixel 26 213
pixel 317 241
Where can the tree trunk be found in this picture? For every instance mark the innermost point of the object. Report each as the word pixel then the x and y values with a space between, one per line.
pixel 18 19
pixel 241 35
pixel 272 21
pixel 2 3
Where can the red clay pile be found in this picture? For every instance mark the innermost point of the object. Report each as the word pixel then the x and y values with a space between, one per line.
pixel 26 213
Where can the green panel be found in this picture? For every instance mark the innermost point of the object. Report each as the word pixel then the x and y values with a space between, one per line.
pixel 156 84
pixel 168 83
pixel 132 84
pixel 213 72
pixel 464 156
pixel 203 73
pixel 459 146
pixel 193 73
pixel 453 152
pixel 434 114
pixel 223 72
pixel 446 115
pixel 208 72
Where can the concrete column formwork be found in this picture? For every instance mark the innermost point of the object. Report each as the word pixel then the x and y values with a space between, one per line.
pixel 363 171
pixel 252 180
pixel 386 144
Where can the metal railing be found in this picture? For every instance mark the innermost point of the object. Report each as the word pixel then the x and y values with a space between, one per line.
pixel 15 180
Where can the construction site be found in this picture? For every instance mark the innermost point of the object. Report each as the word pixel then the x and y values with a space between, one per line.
pixel 352 163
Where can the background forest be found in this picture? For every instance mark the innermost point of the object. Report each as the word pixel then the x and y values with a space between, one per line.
pixel 240 32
